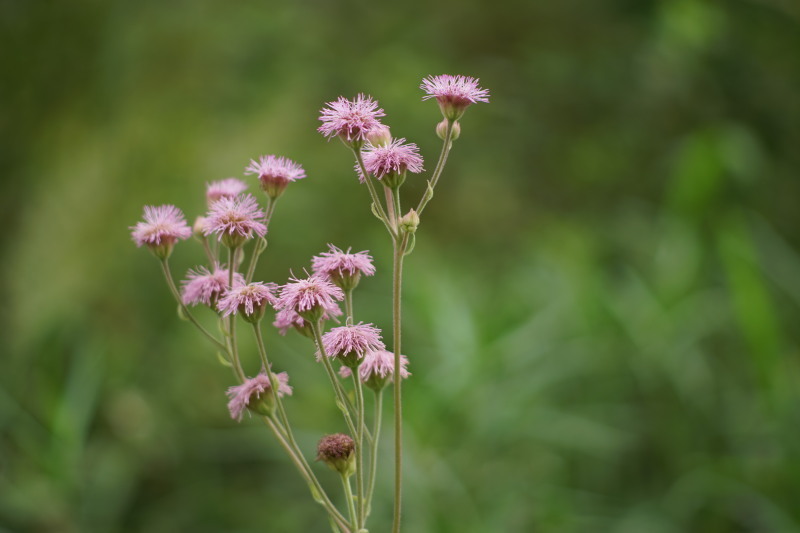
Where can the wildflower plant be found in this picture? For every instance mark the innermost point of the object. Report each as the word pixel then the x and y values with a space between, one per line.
pixel 232 235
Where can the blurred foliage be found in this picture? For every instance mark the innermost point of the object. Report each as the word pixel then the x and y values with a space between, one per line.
pixel 601 310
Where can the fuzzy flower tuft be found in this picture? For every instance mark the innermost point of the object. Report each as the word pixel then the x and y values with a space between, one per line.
pixel 203 286
pixel 227 188
pixel 352 120
pixel 163 226
pixel 453 93
pixel 349 344
pixel 250 300
pixel 343 268
pixel 392 159
pixel 288 318
pixel 275 173
pixel 377 366
pixel 310 298
pixel 235 220
pixel 255 394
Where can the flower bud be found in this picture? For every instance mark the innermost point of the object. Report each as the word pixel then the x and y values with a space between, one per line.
pixel 338 452
pixel 380 136
pixel 441 130
pixel 199 228
pixel 409 222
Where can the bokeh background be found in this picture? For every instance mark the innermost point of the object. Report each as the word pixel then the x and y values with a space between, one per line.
pixel 602 309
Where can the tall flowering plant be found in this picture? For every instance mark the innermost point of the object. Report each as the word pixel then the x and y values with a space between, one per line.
pixel 232 235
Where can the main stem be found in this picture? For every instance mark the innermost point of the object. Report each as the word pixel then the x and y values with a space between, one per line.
pixel 397 283
pixel 360 447
pixel 374 453
pixel 348 493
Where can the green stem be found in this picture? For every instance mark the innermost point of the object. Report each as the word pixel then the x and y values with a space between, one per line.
pixel 341 398
pixel 257 249
pixel 359 446
pixel 348 493
pixel 437 172
pixel 394 213
pixel 187 314
pixel 374 194
pixel 212 262
pixel 397 282
pixel 374 453
pixel 232 321
pixel 348 305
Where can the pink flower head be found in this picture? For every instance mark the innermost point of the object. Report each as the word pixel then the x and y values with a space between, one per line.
pixel 349 344
pixel 250 300
pixel 163 226
pixel 227 188
pixel 203 286
pixel 352 120
pixel 453 93
pixel 377 369
pixel 310 298
pixel 288 318
pixel 392 160
pixel 255 394
pixel 235 220
pixel 343 268
pixel 275 173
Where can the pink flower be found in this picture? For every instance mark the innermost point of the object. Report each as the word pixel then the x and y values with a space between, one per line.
pixel 251 300
pixel 275 173
pixel 352 120
pixel 235 220
pixel 162 227
pixel 394 158
pixel 255 393
pixel 377 369
pixel 350 343
pixel 203 286
pixel 343 268
pixel 288 318
pixel 453 93
pixel 227 188
pixel 310 298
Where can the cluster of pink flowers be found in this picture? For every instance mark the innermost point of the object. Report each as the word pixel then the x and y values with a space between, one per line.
pixel 255 393
pixel 205 287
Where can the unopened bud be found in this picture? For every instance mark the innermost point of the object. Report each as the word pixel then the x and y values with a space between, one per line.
pixel 409 222
pixel 379 136
pixel 338 452
pixel 199 228
pixel 441 130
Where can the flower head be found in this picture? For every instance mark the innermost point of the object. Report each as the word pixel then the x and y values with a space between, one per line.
pixel 256 394
pixel 203 286
pixel 163 226
pixel 392 160
pixel 352 120
pixel 235 220
pixel 377 369
pixel 453 93
pixel 338 452
pixel 343 268
pixel 288 318
pixel 250 300
pixel 349 344
pixel 310 298
pixel 275 173
pixel 227 188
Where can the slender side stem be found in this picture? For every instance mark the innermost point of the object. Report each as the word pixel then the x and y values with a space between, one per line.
pixel 232 320
pixel 341 398
pixel 305 472
pixel 374 194
pixel 359 447
pixel 192 319
pixel 397 282
pixel 257 245
pixel 394 213
pixel 212 262
pixel 348 305
pixel 374 453
pixel 437 172
pixel 348 493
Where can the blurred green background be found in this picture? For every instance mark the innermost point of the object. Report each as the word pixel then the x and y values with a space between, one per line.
pixel 601 311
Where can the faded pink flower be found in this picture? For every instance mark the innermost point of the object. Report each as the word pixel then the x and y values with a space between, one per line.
pixel 163 226
pixel 275 173
pixel 394 158
pixel 235 220
pixel 377 369
pixel 350 343
pixel 203 286
pixel 310 298
pixel 453 93
pixel 255 393
pixel 249 300
pixel 288 318
pixel 352 120
pixel 227 188
pixel 343 268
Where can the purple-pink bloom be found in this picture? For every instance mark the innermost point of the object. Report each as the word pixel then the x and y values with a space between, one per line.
pixel 162 225
pixel 394 158
pixel 352 120
pixel 235 219
pixel 314 293
pixel 275 172
pixel 203 286
pixel 250 299
pixel 288 318
pixel 377 364
pixel 353 341
pixel 453 93
pixel 227 188
pixel 336 263
pixel 249 392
